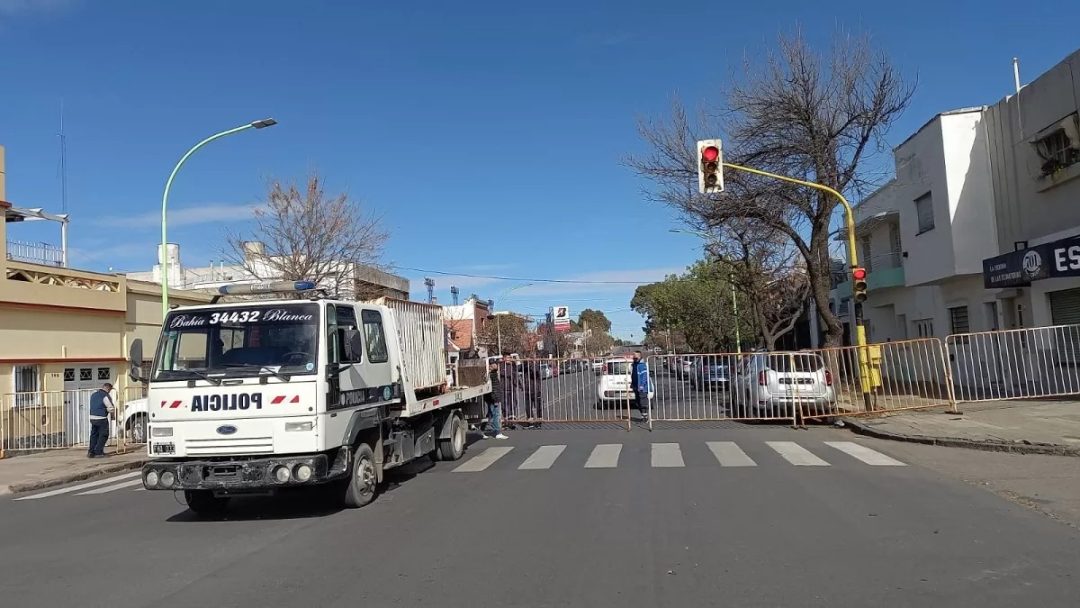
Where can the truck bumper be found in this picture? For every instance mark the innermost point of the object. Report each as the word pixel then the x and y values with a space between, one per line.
pixel 242 475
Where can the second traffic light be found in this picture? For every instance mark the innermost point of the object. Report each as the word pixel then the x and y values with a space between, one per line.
pixel 858 284
pixel 710 166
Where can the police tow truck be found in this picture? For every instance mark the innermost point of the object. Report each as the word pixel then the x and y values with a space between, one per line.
pixel 258 396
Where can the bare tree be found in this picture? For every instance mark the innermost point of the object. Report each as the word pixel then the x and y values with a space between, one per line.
pixel 303 234
pixel 800 113
pixel 767 270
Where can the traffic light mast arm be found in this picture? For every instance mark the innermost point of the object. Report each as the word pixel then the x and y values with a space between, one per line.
pixel 849 214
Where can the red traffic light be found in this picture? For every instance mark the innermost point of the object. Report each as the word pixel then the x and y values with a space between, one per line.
pixel 859 274
pixel 710 154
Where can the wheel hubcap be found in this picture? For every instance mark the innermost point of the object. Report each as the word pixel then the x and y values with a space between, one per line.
pixel 365 473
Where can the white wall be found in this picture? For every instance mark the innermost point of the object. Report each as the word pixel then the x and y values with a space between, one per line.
pixel 970 191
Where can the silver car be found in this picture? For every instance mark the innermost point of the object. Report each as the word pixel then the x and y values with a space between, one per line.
pixel 775 384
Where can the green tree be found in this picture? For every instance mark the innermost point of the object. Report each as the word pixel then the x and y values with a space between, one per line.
pixel 697 305
pixel 595 320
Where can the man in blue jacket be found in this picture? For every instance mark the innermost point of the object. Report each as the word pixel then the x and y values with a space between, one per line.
pixel 639 384
pixel 101 407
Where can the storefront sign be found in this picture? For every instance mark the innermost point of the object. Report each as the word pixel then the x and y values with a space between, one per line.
pixel 1046 261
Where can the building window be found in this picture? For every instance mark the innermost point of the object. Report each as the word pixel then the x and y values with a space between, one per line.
pixel 26 385
pixel 958 320
pixel 1060 146
pixel 104 373
pixel 924 328
pixel 86 374
pixel 924 209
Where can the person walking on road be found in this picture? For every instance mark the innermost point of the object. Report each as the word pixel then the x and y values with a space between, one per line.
pixel 534 375
pixel 639 384
pixel 101 408
pixel 493 402
pixel 511 383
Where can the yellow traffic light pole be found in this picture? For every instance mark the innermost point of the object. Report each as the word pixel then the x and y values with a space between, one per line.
pixel 853 262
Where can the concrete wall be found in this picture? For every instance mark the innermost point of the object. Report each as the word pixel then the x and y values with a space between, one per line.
pixel 969 190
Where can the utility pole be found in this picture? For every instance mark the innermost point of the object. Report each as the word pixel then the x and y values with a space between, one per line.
pixel 735 311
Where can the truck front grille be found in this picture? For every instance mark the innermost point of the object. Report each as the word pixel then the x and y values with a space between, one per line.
pixel 215 446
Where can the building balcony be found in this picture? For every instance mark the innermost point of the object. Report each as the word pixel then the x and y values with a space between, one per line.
pixel 35 253
pixel 40 285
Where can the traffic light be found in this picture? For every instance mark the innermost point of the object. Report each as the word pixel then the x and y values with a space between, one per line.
pixel 710 166
pixel 858 285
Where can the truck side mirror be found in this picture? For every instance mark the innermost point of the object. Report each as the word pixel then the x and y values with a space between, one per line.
pixel 135 358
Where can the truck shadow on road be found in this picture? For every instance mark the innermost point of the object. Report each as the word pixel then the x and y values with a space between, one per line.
pixel 307 503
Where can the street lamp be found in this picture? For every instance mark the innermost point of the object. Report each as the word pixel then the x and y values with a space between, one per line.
pixel 258 124
pixel 734 302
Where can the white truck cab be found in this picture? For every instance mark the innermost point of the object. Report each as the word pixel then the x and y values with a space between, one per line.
pixel 255 396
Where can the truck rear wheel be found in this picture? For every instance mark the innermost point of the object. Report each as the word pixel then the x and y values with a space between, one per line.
pixel 205 504
pixel 364 482
pixel 453 447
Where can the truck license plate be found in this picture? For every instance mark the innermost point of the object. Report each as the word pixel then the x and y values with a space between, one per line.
pixel 163 448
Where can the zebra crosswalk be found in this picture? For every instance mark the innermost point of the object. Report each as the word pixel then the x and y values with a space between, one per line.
pixel 670 456
pixel 659 455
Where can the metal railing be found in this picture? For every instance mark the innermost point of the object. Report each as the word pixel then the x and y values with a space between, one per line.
pixel 35 253
pixel 1029 363
pixel 885 377
pixel 49 420
pixel 717 386
pixel 535 391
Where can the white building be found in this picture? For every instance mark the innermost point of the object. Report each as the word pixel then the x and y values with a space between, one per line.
pixel 976 191
pixel 354 281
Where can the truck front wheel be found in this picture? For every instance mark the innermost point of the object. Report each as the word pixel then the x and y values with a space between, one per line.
pixel 205 504
pixel 363 483
pixel 453 447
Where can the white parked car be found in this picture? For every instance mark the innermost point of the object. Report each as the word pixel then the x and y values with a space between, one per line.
pixel 775 384
pixel 133 426
pixel 614 384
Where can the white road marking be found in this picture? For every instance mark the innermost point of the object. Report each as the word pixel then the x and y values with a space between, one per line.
pixel 796 454
pixel 82 486
pixel 604 456
pixel 119 486
pixel 482 460
pixel 543 457
pixel 865 454
pixel 729 454
pixel 667 455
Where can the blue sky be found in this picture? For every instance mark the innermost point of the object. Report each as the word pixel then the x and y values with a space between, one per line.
pixel 487 135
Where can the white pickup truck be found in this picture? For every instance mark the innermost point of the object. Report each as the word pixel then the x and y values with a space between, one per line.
pixel 259 396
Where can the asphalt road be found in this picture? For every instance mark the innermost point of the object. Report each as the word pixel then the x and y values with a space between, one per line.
pixel 762 516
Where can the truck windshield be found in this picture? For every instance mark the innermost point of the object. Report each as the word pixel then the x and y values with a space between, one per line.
pixel 238 341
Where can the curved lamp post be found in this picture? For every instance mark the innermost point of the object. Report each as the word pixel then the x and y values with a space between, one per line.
pixel 258 124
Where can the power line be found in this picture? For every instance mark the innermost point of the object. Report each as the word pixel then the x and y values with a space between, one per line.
pixel 499 278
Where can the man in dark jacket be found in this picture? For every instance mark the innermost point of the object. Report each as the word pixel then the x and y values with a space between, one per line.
pixel 511 383
pixel 101 407
pixel 639 384
pixel 492 400
pixel 534 375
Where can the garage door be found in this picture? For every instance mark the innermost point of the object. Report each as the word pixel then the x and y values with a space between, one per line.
pixel 1065 307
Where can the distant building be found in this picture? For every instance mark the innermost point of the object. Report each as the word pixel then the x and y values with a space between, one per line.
pixel 354 281
pixel 464 324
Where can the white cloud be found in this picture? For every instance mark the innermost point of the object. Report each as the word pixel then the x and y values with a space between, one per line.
pixel 186 216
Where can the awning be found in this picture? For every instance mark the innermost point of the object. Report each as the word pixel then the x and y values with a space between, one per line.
pixel 869 224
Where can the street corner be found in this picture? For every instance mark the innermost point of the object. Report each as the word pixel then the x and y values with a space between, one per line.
pixel 33 472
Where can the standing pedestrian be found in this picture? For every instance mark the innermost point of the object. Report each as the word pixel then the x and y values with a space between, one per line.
pixel 639 384
pixel 534 375
pixel 511 383
pixel 101 408
pixel 493 402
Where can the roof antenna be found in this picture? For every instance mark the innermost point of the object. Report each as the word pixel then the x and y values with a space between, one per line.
pixel 63 162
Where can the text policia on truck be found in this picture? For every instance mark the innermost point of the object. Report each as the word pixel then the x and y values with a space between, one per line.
pixel 257 396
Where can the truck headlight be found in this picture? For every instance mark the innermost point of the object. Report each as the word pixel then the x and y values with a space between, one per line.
pixel 303 472
pixel 298 426
pixel 282 474
pixel 151 479
pixel 161 431
pixel 168 479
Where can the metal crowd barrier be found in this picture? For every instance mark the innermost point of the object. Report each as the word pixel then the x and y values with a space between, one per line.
pixel 535 391
pixel 1031 363
pixel 884 377
pixel 49 420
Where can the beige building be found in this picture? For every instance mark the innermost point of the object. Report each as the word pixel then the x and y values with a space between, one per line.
pixel 64 330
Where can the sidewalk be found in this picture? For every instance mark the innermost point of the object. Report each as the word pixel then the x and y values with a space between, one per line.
pixel 57 467
pixel 1030 426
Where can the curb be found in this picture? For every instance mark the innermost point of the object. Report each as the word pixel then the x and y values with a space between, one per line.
pixel 20 488
pixel 1047 449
